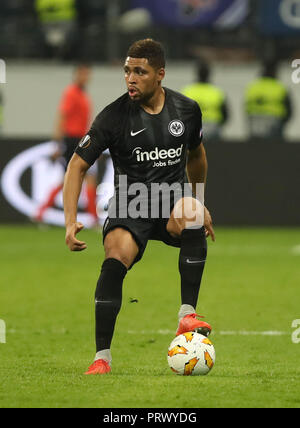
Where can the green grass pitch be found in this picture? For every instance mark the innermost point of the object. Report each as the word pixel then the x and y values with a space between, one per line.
pixel 249 293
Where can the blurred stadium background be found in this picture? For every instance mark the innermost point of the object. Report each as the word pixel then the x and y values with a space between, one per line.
pixel 41 40
pixel 251 182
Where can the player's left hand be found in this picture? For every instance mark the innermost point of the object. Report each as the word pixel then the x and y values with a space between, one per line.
pixel 208 224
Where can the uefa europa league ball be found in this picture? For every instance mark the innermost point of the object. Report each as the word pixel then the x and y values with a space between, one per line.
pixel 191 354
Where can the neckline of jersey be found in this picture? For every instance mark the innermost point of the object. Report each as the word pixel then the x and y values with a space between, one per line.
pixel 157 114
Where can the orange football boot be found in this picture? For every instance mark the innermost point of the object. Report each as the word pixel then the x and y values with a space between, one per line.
pixel 190 323
pixel 99 366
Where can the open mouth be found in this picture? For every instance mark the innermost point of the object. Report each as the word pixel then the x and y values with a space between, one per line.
pixel 132 92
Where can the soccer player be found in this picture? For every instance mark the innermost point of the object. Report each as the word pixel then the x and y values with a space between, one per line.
pixel 153 134
pixel 73 121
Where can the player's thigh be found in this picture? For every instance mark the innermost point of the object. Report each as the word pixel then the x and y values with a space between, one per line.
pixel 187 212
pixel 120 244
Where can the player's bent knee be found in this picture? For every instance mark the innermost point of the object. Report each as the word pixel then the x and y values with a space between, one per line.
pixel 188 212
pixel 120 245
pixel 193 212
pixel 173 228
pixel 126 261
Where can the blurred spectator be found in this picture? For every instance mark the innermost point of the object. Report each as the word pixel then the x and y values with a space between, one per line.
pixel 268 105
pixel 1 113
pixel 73 122
pixel 91 10
pixel 58 21
pixel 211 100
pixel 18 29
pixel 91 40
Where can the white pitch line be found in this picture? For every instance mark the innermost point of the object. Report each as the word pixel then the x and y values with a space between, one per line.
pixel 221 332
pixel 253 333
pixel 165 332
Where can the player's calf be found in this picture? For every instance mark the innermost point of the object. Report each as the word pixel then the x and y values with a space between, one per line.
pixel 108 300
pixel 192 260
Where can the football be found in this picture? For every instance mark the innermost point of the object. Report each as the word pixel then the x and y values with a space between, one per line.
pixel 191 354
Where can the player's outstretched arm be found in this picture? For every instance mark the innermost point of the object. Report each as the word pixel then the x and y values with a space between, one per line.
pixel 72 187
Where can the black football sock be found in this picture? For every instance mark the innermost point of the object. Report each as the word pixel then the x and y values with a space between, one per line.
pixel 108 300
pixel 192 259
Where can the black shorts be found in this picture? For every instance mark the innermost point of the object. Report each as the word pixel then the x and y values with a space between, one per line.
pixel 142 230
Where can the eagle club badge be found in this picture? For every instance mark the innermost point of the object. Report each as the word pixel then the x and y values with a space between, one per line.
pixel 176 128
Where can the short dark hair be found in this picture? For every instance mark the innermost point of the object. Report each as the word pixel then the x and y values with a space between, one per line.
pixel 151 50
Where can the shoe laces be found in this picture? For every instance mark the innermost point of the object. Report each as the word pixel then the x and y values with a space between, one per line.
pixel 195 315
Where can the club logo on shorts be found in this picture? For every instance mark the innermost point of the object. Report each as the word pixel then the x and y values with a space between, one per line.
pixel 176 128
pixel 85 142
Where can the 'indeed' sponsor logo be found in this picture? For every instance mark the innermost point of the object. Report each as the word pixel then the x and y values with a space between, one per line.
pixel 157 154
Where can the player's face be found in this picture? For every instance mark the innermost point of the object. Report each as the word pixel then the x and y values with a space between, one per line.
pixel 142 80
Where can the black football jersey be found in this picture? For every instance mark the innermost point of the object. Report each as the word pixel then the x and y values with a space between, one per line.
pixel 147 148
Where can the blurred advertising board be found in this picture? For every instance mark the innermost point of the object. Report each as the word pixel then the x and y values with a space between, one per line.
pixel 196 13
pixel 27 176
pixel 279 17
pixel 246 189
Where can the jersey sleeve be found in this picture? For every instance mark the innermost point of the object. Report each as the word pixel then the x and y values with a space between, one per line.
pixel 97 139
pixel 197 133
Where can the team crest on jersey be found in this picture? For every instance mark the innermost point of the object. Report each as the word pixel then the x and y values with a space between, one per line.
pixel 176 128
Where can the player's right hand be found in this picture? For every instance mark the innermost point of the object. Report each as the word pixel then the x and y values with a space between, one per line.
pixel 208 224
pixel 72 242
